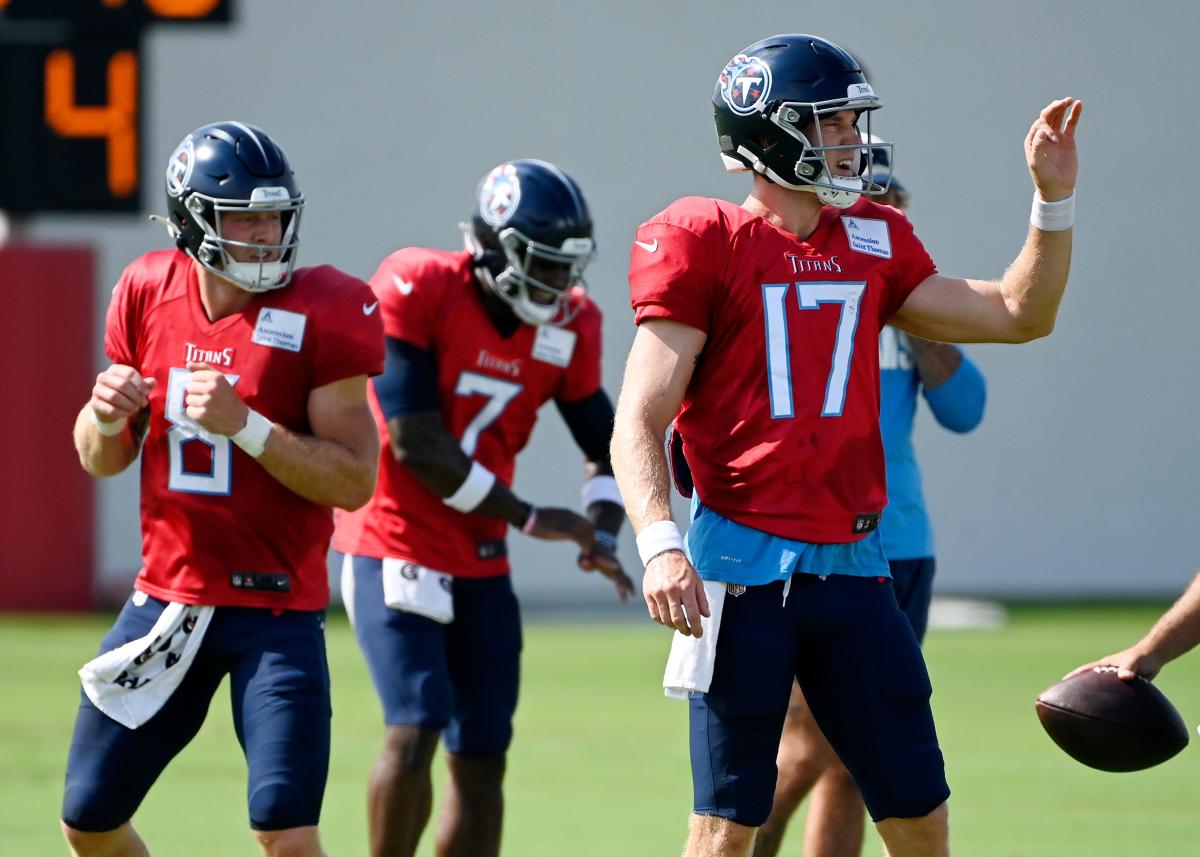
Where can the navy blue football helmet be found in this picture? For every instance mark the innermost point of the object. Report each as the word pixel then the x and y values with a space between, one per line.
pixel 233 167
pixel 531 236
pixel 768 104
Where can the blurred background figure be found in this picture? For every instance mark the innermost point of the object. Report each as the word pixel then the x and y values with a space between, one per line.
pixel 477 341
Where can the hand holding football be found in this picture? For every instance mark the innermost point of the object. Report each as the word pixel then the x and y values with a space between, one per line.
pixel 1111 724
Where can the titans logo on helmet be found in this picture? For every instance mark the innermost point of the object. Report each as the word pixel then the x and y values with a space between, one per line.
pixel 179 167
pixel 745 84
pixel 499 195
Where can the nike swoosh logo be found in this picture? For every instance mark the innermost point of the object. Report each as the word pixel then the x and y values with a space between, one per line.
pixel 650 247
pixel 404 286
pixel 368 309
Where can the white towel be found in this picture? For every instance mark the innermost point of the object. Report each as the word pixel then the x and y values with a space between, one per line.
pixel 416 589
pixel 132 682
pixel 690 664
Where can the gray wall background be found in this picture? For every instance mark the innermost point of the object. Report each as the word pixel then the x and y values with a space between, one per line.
pixel 1081 480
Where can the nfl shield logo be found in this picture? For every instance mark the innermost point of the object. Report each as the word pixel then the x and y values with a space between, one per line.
pixel 735 589
pixel 499 195
pixel 745 84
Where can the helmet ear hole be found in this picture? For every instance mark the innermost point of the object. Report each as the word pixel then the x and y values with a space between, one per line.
pixel 493 261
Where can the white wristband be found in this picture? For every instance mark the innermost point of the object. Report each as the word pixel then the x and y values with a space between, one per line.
pixel 601 488
pixel 656 538
pixel 473 489
pixel 109 429
pixel 253 436
pixel 1053 216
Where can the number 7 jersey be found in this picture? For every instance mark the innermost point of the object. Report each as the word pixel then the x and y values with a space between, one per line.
pixel 780 422
pixel 490 388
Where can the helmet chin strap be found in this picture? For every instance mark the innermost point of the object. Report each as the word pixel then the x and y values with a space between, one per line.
pixel 847 192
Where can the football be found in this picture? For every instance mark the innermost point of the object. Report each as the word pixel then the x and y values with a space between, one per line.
pixel 1110 724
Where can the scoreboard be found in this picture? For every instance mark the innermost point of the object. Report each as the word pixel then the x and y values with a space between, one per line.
pixel 71 76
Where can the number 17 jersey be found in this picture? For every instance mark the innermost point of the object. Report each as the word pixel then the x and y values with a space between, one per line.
pixel 780 421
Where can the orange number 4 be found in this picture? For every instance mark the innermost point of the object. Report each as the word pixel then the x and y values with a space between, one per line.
pixel 115 122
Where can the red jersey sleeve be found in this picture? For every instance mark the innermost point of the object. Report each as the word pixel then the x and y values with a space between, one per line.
pixel 121 324
pixel 673 272
pixel 909 267
pixel 409 296
pixel 582 377
pixel 350 332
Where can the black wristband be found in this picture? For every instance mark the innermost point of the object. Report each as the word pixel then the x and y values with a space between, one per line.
pixel 607 540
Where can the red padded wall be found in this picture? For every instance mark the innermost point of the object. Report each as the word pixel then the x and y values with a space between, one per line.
pixel 46 510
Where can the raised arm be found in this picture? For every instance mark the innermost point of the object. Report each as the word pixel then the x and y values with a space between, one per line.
pixel 1023 304
pixel 657 374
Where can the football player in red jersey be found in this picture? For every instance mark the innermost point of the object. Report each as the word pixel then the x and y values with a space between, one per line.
pixel 757 331
pixel 477 342
pixel 242 383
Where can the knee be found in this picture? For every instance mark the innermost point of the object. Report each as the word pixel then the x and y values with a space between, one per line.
pixel 89 844
pixel 479 778
pixel 803 756
pixel 293 842
pixel 77 840
pixel 838 779
pixel 712 834
pixel 278 807
pixel 925 835
pixel 408 751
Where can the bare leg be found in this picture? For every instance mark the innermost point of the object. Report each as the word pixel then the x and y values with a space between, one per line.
pixel 836 816
pixel 400 791
pixel 472 808
pixel 713 836
pixel 293 842
pixel 120 842
pixel 928 836
pixel 803 755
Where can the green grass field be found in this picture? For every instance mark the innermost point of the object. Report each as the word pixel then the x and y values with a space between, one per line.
pixel 599 765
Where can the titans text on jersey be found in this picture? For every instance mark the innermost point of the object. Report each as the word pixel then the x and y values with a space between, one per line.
pixel 209 510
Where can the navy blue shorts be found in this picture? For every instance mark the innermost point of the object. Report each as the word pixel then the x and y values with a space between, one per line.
pixel 859 663
pixel 461 677
pixel 913 581
pixel 279 687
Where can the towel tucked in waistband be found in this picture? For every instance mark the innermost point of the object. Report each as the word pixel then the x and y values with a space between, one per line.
pixel 132 682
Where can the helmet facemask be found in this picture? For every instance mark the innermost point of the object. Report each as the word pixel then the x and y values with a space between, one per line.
pixel 273 268
pixel 531 277
pixel 811 171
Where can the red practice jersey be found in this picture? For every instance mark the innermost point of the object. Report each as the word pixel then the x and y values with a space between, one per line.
pixel 489 391
pixel 781 419
pixel 209 510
